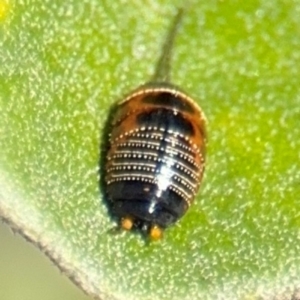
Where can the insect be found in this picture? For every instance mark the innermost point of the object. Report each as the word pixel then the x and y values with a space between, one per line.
pixel 156 154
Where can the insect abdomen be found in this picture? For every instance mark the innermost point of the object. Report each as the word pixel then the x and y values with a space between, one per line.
pixel 156 157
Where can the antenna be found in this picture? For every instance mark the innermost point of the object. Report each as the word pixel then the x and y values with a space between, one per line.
pixel 162 72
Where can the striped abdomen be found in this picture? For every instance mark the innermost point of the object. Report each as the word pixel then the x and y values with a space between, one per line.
pixel 156 157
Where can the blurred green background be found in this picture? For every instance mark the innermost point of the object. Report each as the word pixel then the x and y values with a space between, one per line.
pixel 27 274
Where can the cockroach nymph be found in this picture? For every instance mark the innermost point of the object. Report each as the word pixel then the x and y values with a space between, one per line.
pixel 156 154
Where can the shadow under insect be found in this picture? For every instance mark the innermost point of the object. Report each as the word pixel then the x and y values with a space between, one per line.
pixel 104 149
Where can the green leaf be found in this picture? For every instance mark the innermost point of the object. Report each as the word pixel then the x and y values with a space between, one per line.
pixel 62 65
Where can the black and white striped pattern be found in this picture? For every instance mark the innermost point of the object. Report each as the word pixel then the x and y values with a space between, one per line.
pixel 156 155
